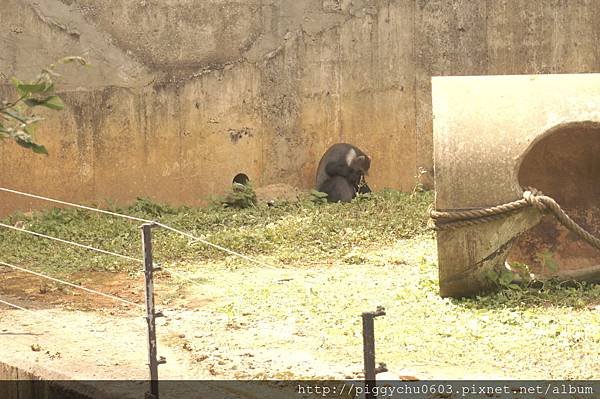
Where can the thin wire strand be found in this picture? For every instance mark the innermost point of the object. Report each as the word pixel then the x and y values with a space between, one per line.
pixel 167 227
pixel 16 306
pixel 71 243
pixel 210 244
pixel 113 297
pixel 180 275
pixel 167 269
pixel 48 318
pixel 75 205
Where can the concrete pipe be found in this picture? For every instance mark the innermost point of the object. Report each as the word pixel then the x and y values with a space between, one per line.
pixel 494 135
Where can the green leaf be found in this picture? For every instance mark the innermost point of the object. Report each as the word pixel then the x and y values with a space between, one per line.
pixel 23 139
pixel 29 129
pixel 28 88
pixel 491 275
pixel 318 194
pixel 52 102
pixel 15 115
pixel 39 149
pixel 34 102
pixel 548 260
pixel 506 278
pixel 519 267
pixel 26 141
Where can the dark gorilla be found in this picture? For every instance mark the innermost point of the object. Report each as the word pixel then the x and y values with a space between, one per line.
pixel 338 189
pixel 341 172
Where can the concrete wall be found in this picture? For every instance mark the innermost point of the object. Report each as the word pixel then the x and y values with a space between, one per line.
pixel 184 94
pixel 20 383
pixel 543 134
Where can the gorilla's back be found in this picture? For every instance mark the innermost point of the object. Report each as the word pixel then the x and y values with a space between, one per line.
pixel 334 153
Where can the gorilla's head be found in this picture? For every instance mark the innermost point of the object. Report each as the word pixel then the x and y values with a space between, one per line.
pixel 361 163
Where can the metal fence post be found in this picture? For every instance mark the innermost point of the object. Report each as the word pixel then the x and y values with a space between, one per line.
pixel 369 350
pixel 149 268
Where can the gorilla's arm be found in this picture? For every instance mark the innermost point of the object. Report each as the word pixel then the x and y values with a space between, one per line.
pixel 342 169
pixel 364 189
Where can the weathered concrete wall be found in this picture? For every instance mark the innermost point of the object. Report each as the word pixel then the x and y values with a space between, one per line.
pixel 20 383
pixel 183 95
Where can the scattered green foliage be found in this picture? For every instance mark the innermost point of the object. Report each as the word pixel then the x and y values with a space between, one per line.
pixel 503 278
pixel 548 293
pixel 242 196
pixel 419 186
pixel 318 197
pixel 291 233
pixel 522 271
pixel 17 121
pixel 347 259
pixel 362 197
pixel 547 259
pixel 550 331
pixel 151 209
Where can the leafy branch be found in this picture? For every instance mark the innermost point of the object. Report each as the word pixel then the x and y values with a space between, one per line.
pixel 16 121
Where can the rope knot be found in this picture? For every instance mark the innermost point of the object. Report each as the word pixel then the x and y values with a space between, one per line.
pixel 449 219
pixel 532 196
pixel 431 211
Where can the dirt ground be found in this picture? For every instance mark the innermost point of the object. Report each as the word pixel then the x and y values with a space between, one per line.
pixel 200 339
pixel 234 322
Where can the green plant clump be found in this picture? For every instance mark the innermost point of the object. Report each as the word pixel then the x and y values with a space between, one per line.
pixel 242 196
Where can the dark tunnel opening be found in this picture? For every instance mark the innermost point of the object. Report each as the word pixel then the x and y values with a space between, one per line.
pixel 241 178
pixel 564 164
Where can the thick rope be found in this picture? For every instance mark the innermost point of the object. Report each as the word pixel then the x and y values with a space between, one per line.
pixel 457 223
pixel 443 220
pixel 569 223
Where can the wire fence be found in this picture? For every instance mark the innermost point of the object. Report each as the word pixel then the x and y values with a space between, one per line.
pixel 73 243
pixel 45 322
pixel 170 270
pixel 166 227
pixel 94 249
pixel 149 267
pixel 79 287
pixel 12 305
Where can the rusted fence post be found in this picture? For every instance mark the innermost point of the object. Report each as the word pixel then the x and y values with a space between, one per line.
pixel 369 350
pixel 149 269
